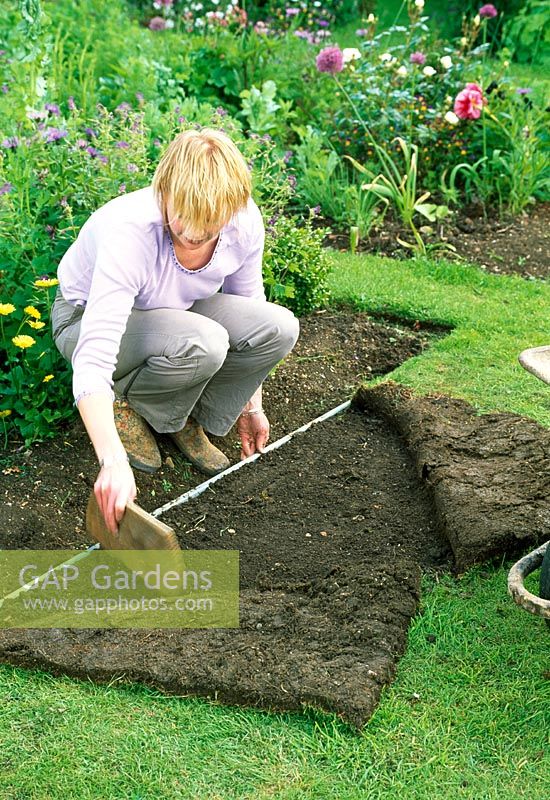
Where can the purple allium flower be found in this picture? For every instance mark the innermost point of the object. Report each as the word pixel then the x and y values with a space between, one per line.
pixel 322 23
pixel 287 157
pixel 122 145
pixel 488 10
pixel 361 32
pixel 292 12
pixel 71 103
pixel 53 108
pixel 524 90
pixel 418 58
pixel 90 132
pixel 92 151
pixel 330 60
pixel 54 134
pixel 4 88
pixel 132 168
pixel 157 24
pixel 10 143
pixel 6 188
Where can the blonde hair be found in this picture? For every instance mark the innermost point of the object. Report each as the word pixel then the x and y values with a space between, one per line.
pixel 206 178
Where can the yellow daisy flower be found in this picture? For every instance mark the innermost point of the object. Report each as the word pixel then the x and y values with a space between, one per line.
pixel 23 341
pixel 47 378
pixel 32 312
pixel 6 308
pixel 5 413
pixel 45 283
pixel 36 325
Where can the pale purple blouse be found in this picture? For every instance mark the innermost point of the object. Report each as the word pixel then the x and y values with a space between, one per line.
pixel 123 258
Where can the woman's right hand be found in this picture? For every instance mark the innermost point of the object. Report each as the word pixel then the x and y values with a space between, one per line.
pixel 114 488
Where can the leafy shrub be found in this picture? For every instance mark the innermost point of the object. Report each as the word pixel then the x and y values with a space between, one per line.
pixel 34 381
pixel 327 182
pixel 407 90
pixel 296 267
pixel 528 34
pixel 399 97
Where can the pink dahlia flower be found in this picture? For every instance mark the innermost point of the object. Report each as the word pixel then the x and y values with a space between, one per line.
pixel 331 59
pixel 488 10
pixel 469 102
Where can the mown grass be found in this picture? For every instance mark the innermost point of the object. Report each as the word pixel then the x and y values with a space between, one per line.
pixel 468 717
pixel 493 319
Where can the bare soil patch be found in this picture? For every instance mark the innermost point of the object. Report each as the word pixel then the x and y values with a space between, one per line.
pixel 44 489
pixel 334 530
pixel 514 245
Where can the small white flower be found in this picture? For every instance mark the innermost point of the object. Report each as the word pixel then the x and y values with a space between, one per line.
pixel 464 41
pixel 371 18
pixel 350 54
pixel 477 20
pixel 505 64
pixel 402 71
pixel 448 99
pixel 446 62
pixel 429 71
pixel 386 57
pixel 419 4
pixel 451 118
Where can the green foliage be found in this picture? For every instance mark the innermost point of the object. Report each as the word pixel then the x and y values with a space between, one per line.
pixel 324 181
pixel 528 34
pixel 398 185
pixel 261 111
pixel 33 374
pixel 384 98
pixel 515 170
pixel 296 267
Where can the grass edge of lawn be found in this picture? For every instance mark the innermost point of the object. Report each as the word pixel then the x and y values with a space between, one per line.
pixel 491 320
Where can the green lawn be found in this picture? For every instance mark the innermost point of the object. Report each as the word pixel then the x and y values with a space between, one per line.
pixel 469 714
pixel 468 717
pixel 493 319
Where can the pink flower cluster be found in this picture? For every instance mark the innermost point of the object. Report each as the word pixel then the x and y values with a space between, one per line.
pixel 418 58
pixel 469 102
pixel 488 10
pixel 330 59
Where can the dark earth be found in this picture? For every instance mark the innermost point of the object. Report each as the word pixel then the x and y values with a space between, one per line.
pixel 334 529
pixel 514 246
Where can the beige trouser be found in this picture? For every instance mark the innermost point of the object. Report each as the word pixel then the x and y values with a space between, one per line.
pixel 207 361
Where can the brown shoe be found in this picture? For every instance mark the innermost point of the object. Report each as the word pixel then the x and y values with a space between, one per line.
pixel 136 438
pixel 194 444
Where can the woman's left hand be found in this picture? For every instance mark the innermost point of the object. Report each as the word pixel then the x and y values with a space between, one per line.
pixel 254 432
